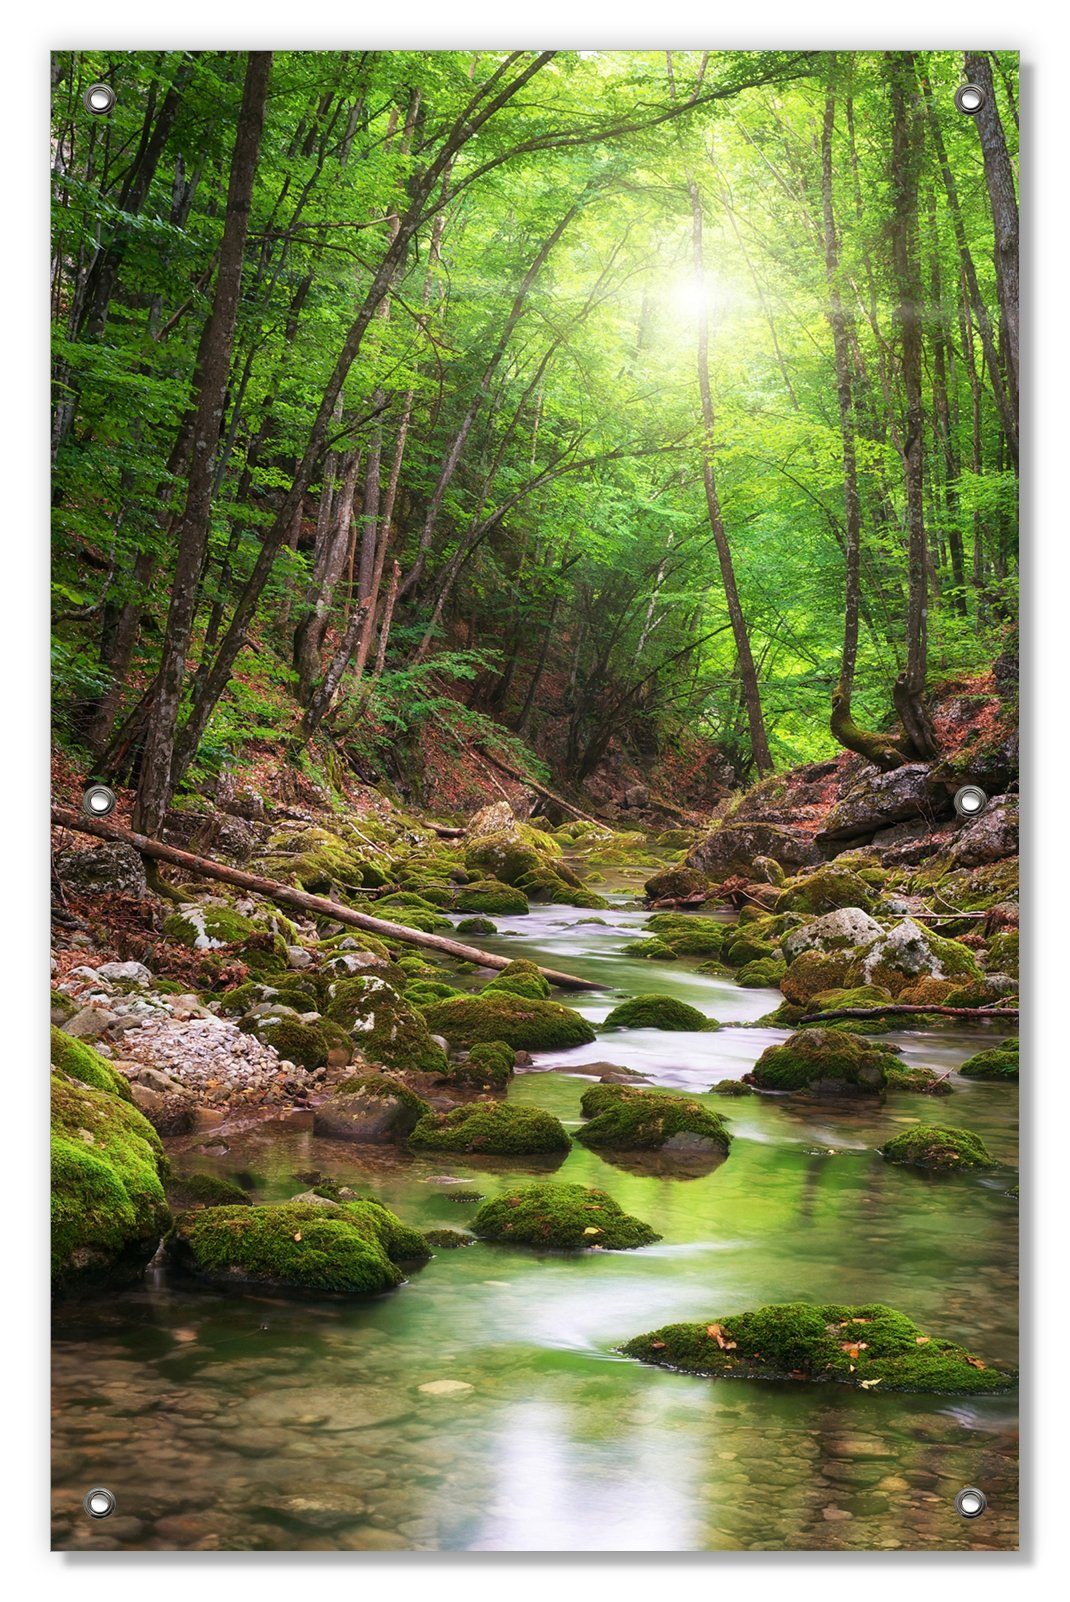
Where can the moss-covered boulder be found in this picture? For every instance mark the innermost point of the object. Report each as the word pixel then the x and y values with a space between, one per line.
pixel 448 1240
pixel 651 1120
pixel 835 931
pixel 508 854
pixel 811 973
pixel 108 1204
pixel 869 1347
pixel 491 1129
pixel 823 890
pixel 347 1249
pixel 763 974
pixel 561 1218
pixel 937 1147
pixel 744 947
pixel 374 1109
pixel 658 1012
pixel 303 1044
pixel 676 884
pixel 651 950
pixel 320 861
pixel 488 1066
pixel 917 1080
pixel 731 1087
pixel 412 911
pixel 520 978
pixel 491 896
pixel 80 1061
pixel 906 953
pixel 998 1062
pixel 203 927
pixel 205 1190
pixel 1002 953
pixel 477 926
pixel 688 935
pixel 383 1026
pixel 822 1062
pixel 523 1024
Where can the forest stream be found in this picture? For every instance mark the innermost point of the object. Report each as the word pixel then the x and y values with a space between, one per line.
pixel 484 1406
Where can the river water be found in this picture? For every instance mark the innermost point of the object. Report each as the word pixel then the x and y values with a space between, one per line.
pixel 243 1423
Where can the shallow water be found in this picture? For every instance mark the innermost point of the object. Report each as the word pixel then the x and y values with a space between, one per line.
pixel 251 1423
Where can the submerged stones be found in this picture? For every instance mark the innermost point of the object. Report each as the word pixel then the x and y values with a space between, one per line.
pixel 524 1024
pixel 491 1129
pixel 342 1249
pixel 865 1347
pixel 822 1062
pixel 108 1204
pixel 649 1120
pixel 375 1109
pixel 937 1147
pixel 562 1217
pixel 658 1012
pixel 998 1062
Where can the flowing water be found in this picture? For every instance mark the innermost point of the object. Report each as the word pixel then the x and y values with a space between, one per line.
pixel 243 1423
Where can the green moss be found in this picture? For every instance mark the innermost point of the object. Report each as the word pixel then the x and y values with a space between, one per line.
pixel 563 1217
pixel 80 1061
pixel 676 884
pixel 813 972
pixel 351 1249
pixel 998 1062
pixel 731 1087
pixel 916 1079
pixel 766 973
pixel 489 895
pixel 62 1007
pixel 506 856
pixel 823 890
pixel 477 926
pixel 412 911
pixel 386 1029
pixel 935 1146
pixel 494 1129
pixel 866 1347
pixel 520 978
pixel 322 862
pixel 425 992
pixel 647 1120
pixel 205 928
pixel 1002 955
pixel 653 950
pixel 688 935
pixel 205 1190
pixel 488 1066
pixel 745 948
pixel 108 1205
pixel 824 1063
pixel 448 1239
pixel 385 1087
pixel 303 1044
pixel 525 1025
pixel 657 1012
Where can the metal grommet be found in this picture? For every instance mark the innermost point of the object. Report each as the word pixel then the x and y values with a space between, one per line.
pixel 98 801
pixel 99 99
pixel 99 1502
pixel 969 97
pixel 970 801
pixel 970 1502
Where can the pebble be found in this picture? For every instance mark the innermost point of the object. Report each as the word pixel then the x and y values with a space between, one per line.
pixel 446 1387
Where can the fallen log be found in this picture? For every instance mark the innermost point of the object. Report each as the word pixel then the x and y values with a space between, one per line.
pixel 541 789
pixel 882 1011
pixel 287 896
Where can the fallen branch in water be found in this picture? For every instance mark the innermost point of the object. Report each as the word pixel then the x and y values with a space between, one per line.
pixel 541 789
pixel 287 896
pixel 887 1007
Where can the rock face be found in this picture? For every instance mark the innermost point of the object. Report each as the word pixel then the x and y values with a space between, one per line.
pixel 731 848
pixel 990 837
pixel 375 1110
pixel 112 866
pixel 880 800
pixel 836 931
pixel 859 1346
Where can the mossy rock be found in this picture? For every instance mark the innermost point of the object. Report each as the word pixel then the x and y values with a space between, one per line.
pixel 319 861
pixel 917 1080
pixel 426 992
pixel 520 978
pixel 813 972
pixel 489 895
pixel 206 928
pixel 525 1025
pixel 652 950
pixel 448 1240
pixel 765 973
pixel 937 1147
pixel 822 1063
pixel 61 1006
pixel 1002 953
pixel 745 948
pixel 650 1120
pixel 80 1061
pixel 348 1249
pixel 412 911
pixel 731 1087
pixel 373 1109
pixel 658 1012
pixel 562 1218
pixel 869 1347
pixel 488 1066
pixel 689 935
pixel 477 926
pixel 905 954
pixel 108 1205
pixel 507 855
pixel 205 1190
pixel 998 1062
pixel 676 884
pixel 303 1044
pixel 824 890
pixel 383 1026
pixel 491 1129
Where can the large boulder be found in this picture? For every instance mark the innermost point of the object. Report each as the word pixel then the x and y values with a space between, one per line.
pixel 676 884
pixel 908 952
pixel 624 1119
pixel 562 1218
pixel 524 1024
pixel 497 818
pixel 836 931
pixel 989 838
pixel 113 866
pixel 879 800
pixel 822 1062
pixel 731 848
pixel 937 1147
pixel 825 889
pixel 491 1129
pixel 383 1026
pixel 374 1109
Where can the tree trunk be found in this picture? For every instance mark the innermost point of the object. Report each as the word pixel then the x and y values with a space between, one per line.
pixel 999 176
pixel 210 386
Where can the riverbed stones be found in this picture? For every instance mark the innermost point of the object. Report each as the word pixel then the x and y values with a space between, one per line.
pixel 937 1148
pixel 997 1062
pixel 822 1062
pixel 492 1129
pixel 626 1119
pixel 561 1217
pixel 373 1109
pixel 524 1024
pixel 867 1347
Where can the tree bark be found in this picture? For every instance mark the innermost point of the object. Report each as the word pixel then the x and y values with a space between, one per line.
pixel 999 176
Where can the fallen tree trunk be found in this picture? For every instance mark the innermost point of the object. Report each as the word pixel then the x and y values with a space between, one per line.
pixel 287 896
pixel 541 789
pixel 882 1011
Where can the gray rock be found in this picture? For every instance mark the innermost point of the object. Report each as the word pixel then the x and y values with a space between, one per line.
pixel 375 1120
pixel 834 931
pixel 112 866
pixel 133 972
pixel 298 957
pixel 170 1113
pixel 732 848
pixel 882 799
pixel 497 818
pixel 90 1022
pixel 990 837
pixel 354 961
